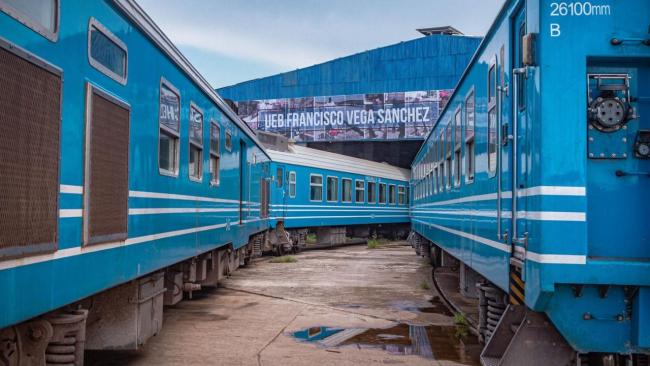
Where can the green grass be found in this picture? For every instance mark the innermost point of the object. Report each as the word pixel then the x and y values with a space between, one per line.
pixel 462 325
pixel 284 259
pixel 311 238
pixel 373 244
pixel 424 286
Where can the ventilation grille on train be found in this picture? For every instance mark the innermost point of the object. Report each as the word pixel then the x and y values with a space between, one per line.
pixel 30 122
pixel 107 185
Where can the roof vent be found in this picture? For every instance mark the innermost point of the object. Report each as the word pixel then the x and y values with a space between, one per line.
pixel 446 30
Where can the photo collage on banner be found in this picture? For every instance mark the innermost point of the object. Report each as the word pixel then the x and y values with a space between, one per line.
pixel 374 116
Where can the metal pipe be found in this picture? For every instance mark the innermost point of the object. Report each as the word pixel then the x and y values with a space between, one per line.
pixel 499 158
pixel 517 73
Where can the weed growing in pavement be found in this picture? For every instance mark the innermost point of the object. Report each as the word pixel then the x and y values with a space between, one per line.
pixel 284 259
pixel 311 238
pixel 373 244
pixel 462 325
pixel 424 286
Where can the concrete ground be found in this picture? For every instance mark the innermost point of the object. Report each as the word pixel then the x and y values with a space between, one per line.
pixel 346 306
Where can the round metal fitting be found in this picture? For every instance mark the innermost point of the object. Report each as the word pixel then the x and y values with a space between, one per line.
pixel 608 114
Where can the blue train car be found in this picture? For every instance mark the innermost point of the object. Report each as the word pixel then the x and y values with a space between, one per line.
pixel 120 167
pixel 315 189
pixel 537 176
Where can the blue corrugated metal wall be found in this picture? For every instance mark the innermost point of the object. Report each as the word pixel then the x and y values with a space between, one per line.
pixel 427 63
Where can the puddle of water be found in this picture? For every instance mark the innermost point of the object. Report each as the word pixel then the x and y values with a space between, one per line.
pixel 431 341
pixel 435 306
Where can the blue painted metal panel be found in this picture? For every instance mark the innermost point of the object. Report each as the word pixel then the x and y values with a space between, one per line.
pixel 585 226
pixel 427 63
pixel 300 211
pixel 156 238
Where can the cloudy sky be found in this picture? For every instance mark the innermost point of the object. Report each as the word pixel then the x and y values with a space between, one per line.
pixel 231 41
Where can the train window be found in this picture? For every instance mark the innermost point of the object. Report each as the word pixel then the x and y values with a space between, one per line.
pixel 359 191
pixel 448 156
pixel 521 86
pixel 434 166
pixel 441 159
pixel 215 156
pixel 228 140
pixel 492 120
pixel 372 192
pixel 315 187
pixel 332 189
pixel 492 83
pixel 492 141
pixel 169 118
pixel 457 147
pixel 279 175
pixel 292 184
pixel 196 143
pixel 382 193
pixel 41 16
pixel 401 195
pixel 106 52
pixel 470 151
pixel 347 190
pixel 392 194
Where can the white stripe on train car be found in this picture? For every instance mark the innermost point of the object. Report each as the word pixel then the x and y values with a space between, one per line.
pixel 71 252
pixel 74 189
pixel 70 213
pixel 552 191
pixel 556 258
pixel 70 189
pixel 528 215
pixel 157 211
pixel 535 257
pixel 405 212
pixel 181 197
pixel 479 213
pixel 526 192
pixel 344 204
pixel 337 217
pixel 552 216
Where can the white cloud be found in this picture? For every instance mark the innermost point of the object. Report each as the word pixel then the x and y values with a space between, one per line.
pixel 241 45
pixel 298 33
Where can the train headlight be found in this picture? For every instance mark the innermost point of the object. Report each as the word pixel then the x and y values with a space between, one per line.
pixel 608 114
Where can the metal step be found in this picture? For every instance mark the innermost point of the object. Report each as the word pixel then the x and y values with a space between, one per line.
pixel 524 337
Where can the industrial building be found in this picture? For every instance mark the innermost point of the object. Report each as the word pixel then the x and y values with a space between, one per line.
pixel 377 105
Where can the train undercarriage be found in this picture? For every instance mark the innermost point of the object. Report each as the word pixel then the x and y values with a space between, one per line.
pixel 126 316
pixel 511 334
pixel 120 318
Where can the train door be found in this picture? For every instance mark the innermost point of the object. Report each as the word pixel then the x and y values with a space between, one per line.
pixel 520 158
pixel 280 188
pixel 243 179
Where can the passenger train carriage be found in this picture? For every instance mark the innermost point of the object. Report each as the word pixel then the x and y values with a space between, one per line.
pixel 334 194
pixel 537 179
pixel 128 182
pixel 119 162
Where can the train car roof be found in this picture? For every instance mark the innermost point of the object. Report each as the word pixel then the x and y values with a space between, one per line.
pixel 142 20
pixel 305 156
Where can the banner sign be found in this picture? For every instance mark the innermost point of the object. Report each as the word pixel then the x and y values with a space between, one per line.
pixel 378 116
